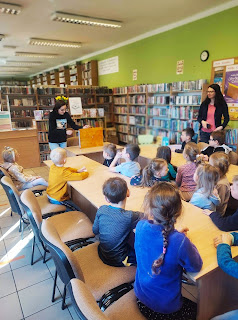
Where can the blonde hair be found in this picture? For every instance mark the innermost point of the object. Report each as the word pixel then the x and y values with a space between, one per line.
pixel 220 160
pixel 155 165
pixel 208 177
pixel 58 155
pixel 191 150
pixel 9 154
pixel 111 149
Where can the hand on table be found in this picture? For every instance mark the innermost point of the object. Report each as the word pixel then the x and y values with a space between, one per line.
pixel 183 229
pixel 223 238
pixel 83 169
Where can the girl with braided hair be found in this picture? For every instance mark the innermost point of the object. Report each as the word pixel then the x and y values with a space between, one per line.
pixel 162 253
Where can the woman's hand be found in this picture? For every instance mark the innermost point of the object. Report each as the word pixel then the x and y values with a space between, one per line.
pixel 69 132
pixel 86 126
pixel 204 124
pixel 219 128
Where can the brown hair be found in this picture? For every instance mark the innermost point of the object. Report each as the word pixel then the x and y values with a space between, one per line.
pixel 220 136
pixel 111 149
pixel 220 160
pixel 9 154
pixel 163 203
pixel 115 189
pixel 191 150
pixel 155 165
pixel 164 153
pixel 208 177
pixel 189 132
pixel 133 150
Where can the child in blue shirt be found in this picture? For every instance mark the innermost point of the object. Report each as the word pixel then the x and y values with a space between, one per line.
pixel 130 167
pixel 165 153
pixel 162 253
pixel 155 171
pixel 206 196
pixel 114 224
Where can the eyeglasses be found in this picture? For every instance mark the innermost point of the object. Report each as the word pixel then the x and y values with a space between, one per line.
pixel 210 91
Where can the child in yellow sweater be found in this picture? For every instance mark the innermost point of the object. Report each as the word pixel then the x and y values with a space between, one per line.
pixel 58 177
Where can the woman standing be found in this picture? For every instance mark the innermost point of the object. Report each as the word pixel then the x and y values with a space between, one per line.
pixel 58 121
pixel 211 111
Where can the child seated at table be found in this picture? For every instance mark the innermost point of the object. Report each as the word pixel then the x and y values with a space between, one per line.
pixel 130 167
pixel 165 153
pixel 220 160
pixel 58 178
pixel 185 173
pixel 216 144
pixel 109 152
pixel 186 136
pixel 229 223
pixel 155 171
pixel 21 180
pixel 223 244
pixel 206 196
pixel 113 223
pixel 162 253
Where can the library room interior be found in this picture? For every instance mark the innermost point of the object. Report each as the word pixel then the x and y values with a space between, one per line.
pixel 118 160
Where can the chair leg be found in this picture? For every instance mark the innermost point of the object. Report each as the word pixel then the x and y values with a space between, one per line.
pixel 44 257
pixel 63 301
pixel 20 226
pixel 33 249
pixel 54 287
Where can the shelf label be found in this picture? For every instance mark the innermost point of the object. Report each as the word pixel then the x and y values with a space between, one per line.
pixel 107 66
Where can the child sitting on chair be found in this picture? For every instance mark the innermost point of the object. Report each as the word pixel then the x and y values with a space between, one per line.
pixel 21 180
pixel 130 167
pixel 58 177
pixel 113 224
pixel 109 152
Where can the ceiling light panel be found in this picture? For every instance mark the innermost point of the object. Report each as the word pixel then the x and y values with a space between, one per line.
pixel 24 63
pixel 10 8
pixel 36 55
pixel 6 68
pixel 54 43
pixel 84 20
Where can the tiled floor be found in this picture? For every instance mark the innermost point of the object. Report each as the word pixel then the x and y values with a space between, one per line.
pixel 25 290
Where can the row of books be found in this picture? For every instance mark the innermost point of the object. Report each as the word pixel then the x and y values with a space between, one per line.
pixel 44 157
pixel 93 113
pixel 104 99
pixel 90 122
pixel 22 113
pixel 127 138
pixel 25 102
pixel 86 66
pixel 81 91
pixel 43 137
pixel 133 120
pixel 136 130
pixel 184 113
pixel 120 110
pixel 42 125
pixel 137 88
pixel 46 102
pixel 86 74
pixel 41 114
pixel 158 100
pixel 122 128
pixel 159 112
pixel 120 100
pixel 188 85
pixel 160 87
pixel 121 119
pixel 13 83
pixel 159 123
pixel 87 82
pixel 179 125
pixel 44 148
pixel 22 124
pixel 196 99
pixel 137 99
pixel 232 136
pixel 140 110
pixel 119 90
pixel 17 90
pixel 51 91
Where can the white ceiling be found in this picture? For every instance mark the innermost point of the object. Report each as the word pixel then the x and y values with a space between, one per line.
pixel 138 17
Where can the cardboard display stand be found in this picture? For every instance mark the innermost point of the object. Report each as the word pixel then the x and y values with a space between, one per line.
pixel 91 137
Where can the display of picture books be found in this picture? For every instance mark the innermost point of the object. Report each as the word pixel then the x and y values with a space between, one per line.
pixel 38 114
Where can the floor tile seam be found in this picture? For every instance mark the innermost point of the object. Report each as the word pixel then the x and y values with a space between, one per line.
pixel 42 310
pixel 18 295
pixel 50 276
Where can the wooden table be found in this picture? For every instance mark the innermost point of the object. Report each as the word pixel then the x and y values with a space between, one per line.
pixel 94 153
pixel 217 292
pixel 148 152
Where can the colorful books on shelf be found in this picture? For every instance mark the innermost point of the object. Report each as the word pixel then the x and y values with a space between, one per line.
pixel 140 99
pixel 158 100
pixel 121 119
pixel 51 91
pixel 137 88
pixel 232 137
pixel 43 137
pixel 119 90
pixel 188 85
pixel 92 122
pixel 122 110
pixel 139 110
pixel 38 114
pixel 17 90
pixel 42 125
pixel 22 113
pixel 120 100
pixel 122 128
pixel 160 87
pixel 188 99
pixel 46 102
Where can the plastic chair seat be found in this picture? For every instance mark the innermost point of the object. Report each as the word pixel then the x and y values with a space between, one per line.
pixel 47 207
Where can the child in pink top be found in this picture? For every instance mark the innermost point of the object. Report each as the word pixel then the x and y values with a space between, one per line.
pixel 184 178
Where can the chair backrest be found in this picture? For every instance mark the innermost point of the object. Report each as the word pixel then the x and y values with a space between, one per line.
pixel 84 302
pixel 12 194
pixel 32 208
pixel 202 145
pixel 233 157
pixel 66 264
pixel 145 138
pixel 73 141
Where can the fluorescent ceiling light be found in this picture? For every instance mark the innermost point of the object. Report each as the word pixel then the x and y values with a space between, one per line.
pixel 54 43
pixel 9 72
pixel 6 68
pixel 85 20
pixel 2 36
pixel 10 8
pixel 9 47
pixel 35 55
pixel 24 63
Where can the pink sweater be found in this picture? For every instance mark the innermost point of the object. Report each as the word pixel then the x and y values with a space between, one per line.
pixel 184 178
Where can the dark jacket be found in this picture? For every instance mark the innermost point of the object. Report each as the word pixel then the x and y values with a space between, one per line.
pixel 57 135
pixel 229 223
pixel 221 110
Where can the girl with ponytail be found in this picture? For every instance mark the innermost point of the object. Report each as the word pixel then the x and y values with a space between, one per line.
pixel 155 171
pixel 162 252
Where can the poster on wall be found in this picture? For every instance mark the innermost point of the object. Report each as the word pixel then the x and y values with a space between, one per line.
pixel 5 121
pixel 75 105
pixel 108 66
pixel 179 68
pixel 134 75
pixel 231 85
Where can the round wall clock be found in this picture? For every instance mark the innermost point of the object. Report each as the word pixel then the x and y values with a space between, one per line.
pixel 204 55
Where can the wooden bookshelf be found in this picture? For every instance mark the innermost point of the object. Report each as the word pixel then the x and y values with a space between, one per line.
pixel 89 71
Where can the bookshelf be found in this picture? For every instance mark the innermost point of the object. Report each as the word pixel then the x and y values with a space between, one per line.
pixel 75 74
pixel 89 71
pixel 64 76
pixel 159 109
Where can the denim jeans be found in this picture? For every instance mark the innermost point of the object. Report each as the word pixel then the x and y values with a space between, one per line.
pixel 70 205
pixel 57 145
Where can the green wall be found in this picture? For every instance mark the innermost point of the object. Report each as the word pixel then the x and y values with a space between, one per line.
pixel 155 57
